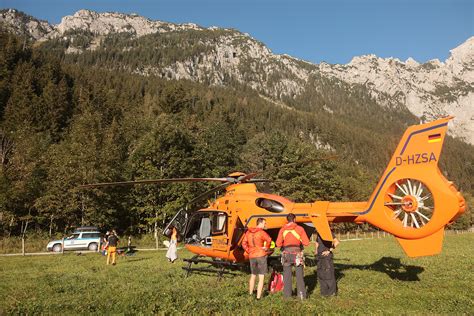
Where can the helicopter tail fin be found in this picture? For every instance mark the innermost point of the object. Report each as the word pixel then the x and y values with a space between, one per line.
pixel 413 200
pixel 427 246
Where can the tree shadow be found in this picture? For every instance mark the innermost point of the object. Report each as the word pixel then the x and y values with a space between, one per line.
pixel 393 267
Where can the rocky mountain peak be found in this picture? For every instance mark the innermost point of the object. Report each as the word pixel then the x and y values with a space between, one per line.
pixel 410 62
pixel 464 53
pixel 23 24
pixel 90 21
pixel 428 90
pixel 113 22
pixel 461 61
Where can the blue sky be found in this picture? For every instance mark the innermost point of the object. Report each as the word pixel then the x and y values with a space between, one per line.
pixel 333 31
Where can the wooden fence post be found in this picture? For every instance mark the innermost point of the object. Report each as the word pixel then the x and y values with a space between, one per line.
pixel 62 246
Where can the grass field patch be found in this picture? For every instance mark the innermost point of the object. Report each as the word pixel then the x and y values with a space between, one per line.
pixel 374 276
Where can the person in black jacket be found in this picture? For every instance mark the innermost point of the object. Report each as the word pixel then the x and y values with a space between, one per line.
pixel 112 243
pixel 325 269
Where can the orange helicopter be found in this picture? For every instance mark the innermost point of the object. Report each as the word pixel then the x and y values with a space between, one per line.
pixel 412 201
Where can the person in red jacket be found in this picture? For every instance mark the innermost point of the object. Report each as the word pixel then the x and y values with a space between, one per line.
pixel 292 238
pixel 256 243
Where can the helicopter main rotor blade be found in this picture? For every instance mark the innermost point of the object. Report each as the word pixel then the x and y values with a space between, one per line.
pixel 260 181
pixel 271 170
pixel 153 181
pixel 207 193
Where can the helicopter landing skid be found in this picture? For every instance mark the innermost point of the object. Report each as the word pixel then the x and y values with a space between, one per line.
pixel 214 266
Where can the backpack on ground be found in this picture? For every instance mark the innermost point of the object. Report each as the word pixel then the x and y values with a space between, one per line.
pixel 276 282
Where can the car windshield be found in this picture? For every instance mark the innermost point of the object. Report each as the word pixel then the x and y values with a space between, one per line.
pixel 90 235
pixel 73 236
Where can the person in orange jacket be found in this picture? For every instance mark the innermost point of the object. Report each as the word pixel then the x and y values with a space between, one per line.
pixel 256 243
pixel 292 238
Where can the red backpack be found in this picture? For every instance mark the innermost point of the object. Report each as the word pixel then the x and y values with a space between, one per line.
pixel 276 282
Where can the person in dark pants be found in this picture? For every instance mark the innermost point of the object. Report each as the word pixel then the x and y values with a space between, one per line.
pixel 292 238
pixel 325 269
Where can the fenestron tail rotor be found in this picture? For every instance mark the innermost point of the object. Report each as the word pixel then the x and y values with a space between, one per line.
pixel 411 202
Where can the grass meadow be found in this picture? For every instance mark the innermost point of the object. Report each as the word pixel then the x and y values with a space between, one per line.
pixel 374 277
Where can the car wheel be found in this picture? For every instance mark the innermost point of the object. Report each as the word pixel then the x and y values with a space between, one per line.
pixel 57 248
pixel 92 246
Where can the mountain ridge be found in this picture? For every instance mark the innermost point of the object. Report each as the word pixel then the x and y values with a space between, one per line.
pixel 428 90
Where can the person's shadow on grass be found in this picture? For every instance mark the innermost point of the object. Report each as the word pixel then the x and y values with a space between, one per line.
pixel 393 267
pixel 388 265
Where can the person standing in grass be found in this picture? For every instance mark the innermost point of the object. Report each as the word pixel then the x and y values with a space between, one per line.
pixel 292 238
pixel 104 243
pixel 325 269
pixel 256 243
pixel 112 243
pixel 172 253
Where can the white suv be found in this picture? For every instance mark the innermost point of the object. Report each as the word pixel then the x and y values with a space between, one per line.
pixel 79 240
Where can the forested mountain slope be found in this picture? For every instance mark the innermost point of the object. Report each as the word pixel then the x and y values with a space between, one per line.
pixel 224 57
pixel 70 119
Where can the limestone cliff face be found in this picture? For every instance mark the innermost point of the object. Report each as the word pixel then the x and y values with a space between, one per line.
pixel 108 23
pixel 231 55
pixel 23 24
pixel 427 90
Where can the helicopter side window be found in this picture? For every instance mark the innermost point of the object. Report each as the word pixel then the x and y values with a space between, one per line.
pixel 270 205
pixel 219 223
pixel 205 228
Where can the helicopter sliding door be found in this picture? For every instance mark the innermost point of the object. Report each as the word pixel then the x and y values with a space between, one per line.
pixel 178 222
pixel 208 229
pixel 219 231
